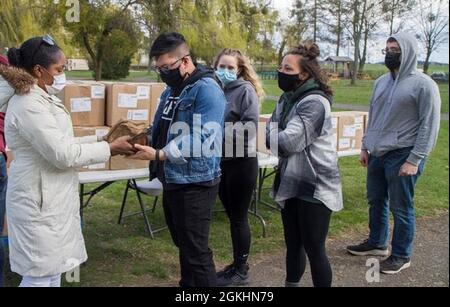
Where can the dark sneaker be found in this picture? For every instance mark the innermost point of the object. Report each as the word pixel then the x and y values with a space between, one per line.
pixel 394 265
pixel 365 249
pixel 233 277
pixel 226 270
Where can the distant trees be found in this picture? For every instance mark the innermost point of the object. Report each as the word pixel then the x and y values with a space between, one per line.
pixel 433 28
pixel 111 32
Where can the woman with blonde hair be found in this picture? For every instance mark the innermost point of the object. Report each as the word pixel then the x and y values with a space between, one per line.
pixel 243 91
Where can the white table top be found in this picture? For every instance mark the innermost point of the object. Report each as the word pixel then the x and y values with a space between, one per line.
pixel 265 161
pixel 109 176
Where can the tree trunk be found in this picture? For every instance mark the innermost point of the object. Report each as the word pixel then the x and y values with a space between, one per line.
pixel 355 67
pixel 98 70
pixel 426 64
pixel 391 21
pixel 339 29
pixel 363 60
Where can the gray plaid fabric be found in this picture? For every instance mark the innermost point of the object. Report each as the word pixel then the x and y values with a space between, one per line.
pixel 308 167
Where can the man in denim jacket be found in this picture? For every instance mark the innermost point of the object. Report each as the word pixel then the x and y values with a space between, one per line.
pixel 186 146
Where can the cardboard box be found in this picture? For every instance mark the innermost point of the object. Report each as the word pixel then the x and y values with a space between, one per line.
pixel 156 91
pixel 86 103
pixel 124 163
pixel 92 135
pixel 262 125
pixel 351 127
pixel 128 101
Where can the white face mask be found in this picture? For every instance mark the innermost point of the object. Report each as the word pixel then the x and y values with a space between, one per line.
pixel 59 83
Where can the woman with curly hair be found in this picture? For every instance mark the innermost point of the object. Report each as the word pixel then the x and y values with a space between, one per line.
pixel 307 185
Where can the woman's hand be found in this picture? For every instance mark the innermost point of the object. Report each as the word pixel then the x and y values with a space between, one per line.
pixel 121 146
pixel 147 153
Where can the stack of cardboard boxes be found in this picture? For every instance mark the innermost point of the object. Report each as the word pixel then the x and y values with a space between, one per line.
pixel 348 131
pixel 95 107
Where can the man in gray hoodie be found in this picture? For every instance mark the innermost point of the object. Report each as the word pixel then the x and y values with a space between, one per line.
pixel 402 131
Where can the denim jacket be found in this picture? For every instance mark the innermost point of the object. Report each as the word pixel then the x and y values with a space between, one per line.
pixel 194 156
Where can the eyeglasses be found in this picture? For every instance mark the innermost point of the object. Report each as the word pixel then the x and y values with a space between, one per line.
pixel 390 50
pixel 166 68
pixel 46 39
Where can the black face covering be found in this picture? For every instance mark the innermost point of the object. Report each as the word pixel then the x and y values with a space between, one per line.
pixel 172 78
pixel 393 61
pixel 287 83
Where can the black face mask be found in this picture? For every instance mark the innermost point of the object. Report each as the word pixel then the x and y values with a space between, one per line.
pixel 288 83
pixel 393 61
pixel 172 78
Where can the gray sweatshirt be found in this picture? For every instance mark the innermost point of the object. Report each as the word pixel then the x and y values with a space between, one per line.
pixel 405 110
pixel 242 107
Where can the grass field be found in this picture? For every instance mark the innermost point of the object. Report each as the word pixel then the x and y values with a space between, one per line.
pixel 344 92
pixel 125 256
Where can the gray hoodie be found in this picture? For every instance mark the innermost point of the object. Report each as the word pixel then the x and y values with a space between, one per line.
pixel 242 107
pixel 405 111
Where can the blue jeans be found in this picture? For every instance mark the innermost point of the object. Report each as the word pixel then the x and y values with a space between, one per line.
pixel 3 185
pixel 386 191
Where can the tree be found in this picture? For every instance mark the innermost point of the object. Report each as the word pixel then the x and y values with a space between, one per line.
pixel 158 16
pixel 334 20
pixel 18 22
pixel 100 21
pixel 371 20
pixel 394 10
pixel 356 12
pixel 119 46
pixel 433 28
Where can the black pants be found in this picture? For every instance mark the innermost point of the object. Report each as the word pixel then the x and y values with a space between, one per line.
pixel 188 214
pixel 239 178
pixel 306 229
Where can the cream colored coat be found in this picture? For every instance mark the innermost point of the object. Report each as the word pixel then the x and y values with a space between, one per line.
pixel 43 206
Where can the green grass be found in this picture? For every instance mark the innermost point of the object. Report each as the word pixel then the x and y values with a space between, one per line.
pixel 344 92
pixel 125 256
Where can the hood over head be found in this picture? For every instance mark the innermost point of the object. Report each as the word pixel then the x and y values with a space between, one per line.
pixel 410 50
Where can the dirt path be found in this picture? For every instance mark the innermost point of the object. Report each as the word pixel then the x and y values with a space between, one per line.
pixel 430 263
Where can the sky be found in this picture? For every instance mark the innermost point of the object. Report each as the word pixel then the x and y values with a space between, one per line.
pixel 442 55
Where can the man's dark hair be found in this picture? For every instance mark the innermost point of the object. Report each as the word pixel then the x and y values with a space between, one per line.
pixel 391 40
pixel 167 43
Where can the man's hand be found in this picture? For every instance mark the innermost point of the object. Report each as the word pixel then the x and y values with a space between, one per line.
pixel 121 147
pixel 147 153
pixel 364 158
pixel 408 169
